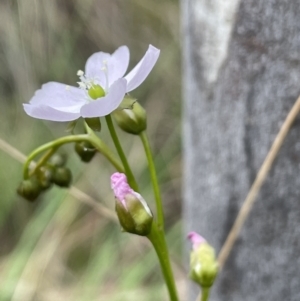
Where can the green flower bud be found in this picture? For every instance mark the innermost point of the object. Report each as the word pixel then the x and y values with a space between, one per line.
pixel 135 217
pixel 29 189
pixel 132 120
pixel 44 176
pixel 58 160
pixel 203 263
pixel 85 151
pixel 62 176
pixel 94 123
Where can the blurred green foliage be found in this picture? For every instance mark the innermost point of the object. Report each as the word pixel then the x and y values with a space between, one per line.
pixel 60 247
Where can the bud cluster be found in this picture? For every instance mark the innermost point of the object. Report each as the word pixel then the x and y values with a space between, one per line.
pixel 52 172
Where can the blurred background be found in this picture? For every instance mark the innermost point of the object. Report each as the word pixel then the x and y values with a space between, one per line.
pixel 68 246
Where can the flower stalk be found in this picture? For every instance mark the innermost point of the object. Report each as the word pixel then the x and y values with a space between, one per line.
pixel 205 293
pixel 102 88
pixel 114 136
pixel 53 145
pixel 42 161
pixel 158 200
pixel 157 238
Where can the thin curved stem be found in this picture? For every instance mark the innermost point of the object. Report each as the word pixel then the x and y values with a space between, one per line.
pixel 105 151
pixel 259 180
pixel 158 200
pixel 74 191
pixel 44 159
pixel 50 145
pixel 158 241
pixel 131 180
pixel 53 145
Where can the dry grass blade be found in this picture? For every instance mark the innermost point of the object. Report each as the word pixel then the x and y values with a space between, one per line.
pixel 257 184
pixel 11 151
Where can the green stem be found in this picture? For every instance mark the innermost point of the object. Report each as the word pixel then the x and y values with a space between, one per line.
pixel 53 145
pixel 44 159
pixel 158 200
pixel 158 241
pixel 131 180
pixel 105 151
pixel 205 293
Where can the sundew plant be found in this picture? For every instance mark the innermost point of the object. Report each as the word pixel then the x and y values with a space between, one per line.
pixel 101 109
pixel 67 244
pixel 103 93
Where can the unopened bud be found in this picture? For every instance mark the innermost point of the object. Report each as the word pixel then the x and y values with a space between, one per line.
pixel 29 189
pixel 133 119
pixel 85 151
pixel 44 176
pixel 62 176
pixel 203 264
pixel 133 212
pixel 58 160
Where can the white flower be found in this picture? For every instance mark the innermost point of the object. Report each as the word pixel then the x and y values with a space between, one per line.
pixel 101 88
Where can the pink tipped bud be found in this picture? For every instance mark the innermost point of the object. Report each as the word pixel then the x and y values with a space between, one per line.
pixel 203 263
pixel 195 239
pixel 120 186
pixel 133 212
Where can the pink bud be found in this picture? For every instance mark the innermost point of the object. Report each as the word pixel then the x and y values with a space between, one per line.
pixel 120 186
pixel 196 239
pixel 133 212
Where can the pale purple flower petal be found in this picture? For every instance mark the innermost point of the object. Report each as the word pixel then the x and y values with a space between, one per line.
pixel 118 64
pixel 48 113
pixel 56 102
pixel 94 67
pixel 196 239
pixel 58 95
pixel 115 64
pixel 105 105
pixel 139 73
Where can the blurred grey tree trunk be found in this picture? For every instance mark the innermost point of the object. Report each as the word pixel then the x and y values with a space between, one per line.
pixel 241 77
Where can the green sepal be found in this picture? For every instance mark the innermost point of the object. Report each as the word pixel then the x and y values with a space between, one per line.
pixel 127 103
pixel 134 218
pixel 141 217
pixel 125 218
pixel 71 126
pixel 94 123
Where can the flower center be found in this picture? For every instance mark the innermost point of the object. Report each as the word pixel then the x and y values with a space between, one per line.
pixel 95 91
